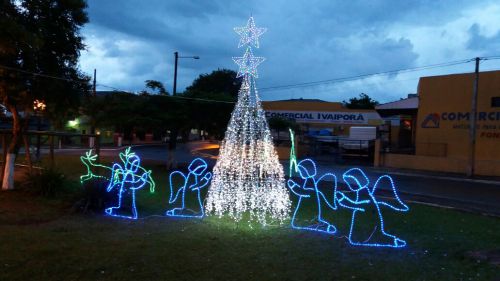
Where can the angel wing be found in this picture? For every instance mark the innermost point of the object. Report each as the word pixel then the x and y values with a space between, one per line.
pixel 178 179
pixel 327 187
pixel 116 173
pixel 386 183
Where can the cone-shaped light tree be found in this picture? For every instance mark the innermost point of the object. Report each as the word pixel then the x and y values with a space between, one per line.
pixel 248 177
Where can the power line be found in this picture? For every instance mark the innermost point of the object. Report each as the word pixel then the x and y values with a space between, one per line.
pixel 42 74
pixel 275 88
pixel 176 97
pixel 363 76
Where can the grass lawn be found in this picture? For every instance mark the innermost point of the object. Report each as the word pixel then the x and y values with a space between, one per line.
pixel 42 240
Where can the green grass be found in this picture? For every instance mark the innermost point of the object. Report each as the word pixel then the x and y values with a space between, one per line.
pixel 41 240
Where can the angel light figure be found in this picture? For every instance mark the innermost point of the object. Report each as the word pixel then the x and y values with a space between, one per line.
pixel 188 190
pixel 309 194
pixel 368 200
pixel 127 180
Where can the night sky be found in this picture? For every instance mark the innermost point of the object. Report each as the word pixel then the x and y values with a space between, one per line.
pixel 131 41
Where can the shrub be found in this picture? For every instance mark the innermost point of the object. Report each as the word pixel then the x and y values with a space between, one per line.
pixel 94 196
pixel 47 183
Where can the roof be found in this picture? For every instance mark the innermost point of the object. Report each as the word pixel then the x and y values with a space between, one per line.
pixel 299 100
pixel 105 93
pixel 407 103
pixel 460 74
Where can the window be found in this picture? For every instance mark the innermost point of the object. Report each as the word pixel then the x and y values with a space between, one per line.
pixel 495 102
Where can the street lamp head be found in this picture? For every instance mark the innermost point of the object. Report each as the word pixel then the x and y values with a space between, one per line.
pixel 196 57
pixel 39 105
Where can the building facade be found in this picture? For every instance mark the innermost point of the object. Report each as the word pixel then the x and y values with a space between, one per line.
pixel 443 127
pixel 315 115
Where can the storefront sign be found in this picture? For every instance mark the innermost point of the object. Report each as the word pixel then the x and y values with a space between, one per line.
pixel 488 122
pixel 326 117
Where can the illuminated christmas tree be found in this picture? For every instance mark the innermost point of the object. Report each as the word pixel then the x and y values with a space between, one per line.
pixel 248 176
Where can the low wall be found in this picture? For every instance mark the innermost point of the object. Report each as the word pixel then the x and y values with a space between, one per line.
pixel 439 164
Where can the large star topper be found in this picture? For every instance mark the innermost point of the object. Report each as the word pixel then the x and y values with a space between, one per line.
pixel 248 63
pixel 249 34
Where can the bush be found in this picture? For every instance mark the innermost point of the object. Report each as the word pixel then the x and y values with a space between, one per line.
pixel 47 183
pixel 94 197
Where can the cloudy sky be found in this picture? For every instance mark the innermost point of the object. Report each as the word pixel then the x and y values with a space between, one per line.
pixel 130 41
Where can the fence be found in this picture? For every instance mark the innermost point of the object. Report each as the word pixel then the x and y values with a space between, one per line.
pixel 63 139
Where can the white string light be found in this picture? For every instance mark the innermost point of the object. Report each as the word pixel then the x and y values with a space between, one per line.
pixel 248 176
pixel 248 64
pixel 249 34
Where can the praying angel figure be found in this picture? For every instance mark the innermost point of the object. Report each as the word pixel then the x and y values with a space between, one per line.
pixel 127 180
pixel 369 202
pixel 309 194
pixel 187 190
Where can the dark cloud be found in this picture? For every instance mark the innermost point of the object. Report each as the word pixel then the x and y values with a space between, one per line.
pixel 132 41
pixel 482 43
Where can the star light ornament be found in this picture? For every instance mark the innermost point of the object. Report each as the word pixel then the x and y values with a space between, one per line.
pixel 250 33
pixel 248 177
pixel 248 64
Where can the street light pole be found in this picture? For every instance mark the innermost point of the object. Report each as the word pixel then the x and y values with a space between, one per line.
pixel 177 57
pixel 172 143
pixel 176 54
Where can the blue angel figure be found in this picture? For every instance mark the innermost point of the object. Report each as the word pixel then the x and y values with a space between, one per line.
pixel 127 181
pixel 188 186
pixel 368 202
pixel 309 194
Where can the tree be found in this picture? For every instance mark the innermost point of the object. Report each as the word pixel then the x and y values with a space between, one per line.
pixel 363 102
pixel 156 86
pixel 41 37
pixel 213 97
pixel 220 81
pixel 279 124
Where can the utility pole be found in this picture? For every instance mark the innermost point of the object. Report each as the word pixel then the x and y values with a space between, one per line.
pixel 177 57
pixel 93 86
pixel 473 123
pixel 94 94
pixel 92 127
pixel 176 54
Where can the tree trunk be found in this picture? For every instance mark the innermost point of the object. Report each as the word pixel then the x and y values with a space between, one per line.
pixel 8 174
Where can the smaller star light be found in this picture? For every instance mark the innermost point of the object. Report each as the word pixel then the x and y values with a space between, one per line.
pixel 248 63
pixel 250 33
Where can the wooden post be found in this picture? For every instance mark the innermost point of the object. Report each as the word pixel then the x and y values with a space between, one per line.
pixel 27 153
pixel 98 147
pixel 98 152
pixel 4 153
pixel 376 153
pixel 51 140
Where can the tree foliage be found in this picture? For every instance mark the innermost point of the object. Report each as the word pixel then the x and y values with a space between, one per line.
pixel 156 86
pixel 220 81
pixel 362 102
pixel 280 124
pixel 39 48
